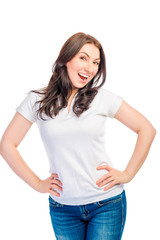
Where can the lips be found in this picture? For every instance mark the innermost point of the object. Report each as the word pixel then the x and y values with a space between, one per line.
pixel 83 76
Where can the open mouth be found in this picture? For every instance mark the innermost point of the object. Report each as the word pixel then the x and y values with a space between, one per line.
pixel 83 76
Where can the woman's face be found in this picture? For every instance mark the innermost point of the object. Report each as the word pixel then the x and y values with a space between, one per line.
pixel 83 66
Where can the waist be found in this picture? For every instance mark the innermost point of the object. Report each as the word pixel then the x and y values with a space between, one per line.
pixel 86 195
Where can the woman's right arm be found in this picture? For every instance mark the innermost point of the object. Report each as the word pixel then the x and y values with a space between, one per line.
pixel 11 139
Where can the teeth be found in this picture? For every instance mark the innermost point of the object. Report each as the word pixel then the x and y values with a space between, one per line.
pixel 83 75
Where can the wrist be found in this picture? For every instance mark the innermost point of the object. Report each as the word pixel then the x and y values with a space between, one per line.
pixel 129 175
pixel 37 185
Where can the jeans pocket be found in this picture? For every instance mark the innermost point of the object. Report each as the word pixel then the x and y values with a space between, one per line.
pixel 110 201
pixel 53 203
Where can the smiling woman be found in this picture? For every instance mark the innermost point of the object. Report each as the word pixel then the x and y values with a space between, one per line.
pixel 84 66
pixel 87 197
pixel 78 68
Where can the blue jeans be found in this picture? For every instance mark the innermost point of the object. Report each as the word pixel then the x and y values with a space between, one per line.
pixel 103 220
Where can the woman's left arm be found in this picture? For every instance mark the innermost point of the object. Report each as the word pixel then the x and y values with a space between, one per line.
pixel 146 133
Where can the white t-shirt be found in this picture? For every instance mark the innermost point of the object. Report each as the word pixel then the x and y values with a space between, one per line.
pixel 76 146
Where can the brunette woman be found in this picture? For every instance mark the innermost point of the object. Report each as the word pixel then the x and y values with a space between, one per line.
pixel 87 197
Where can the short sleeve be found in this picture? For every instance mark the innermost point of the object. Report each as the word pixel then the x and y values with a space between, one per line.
pixel 28 107
pixel 112 103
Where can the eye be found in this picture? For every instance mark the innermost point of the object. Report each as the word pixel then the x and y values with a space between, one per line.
pixel 96 63
pixel 83 58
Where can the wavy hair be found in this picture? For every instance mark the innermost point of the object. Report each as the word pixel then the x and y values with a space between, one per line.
pixel 55 96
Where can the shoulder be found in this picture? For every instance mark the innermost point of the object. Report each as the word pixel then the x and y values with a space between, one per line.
pixel 109 101
pixel 107 94
pixel 29 103
pixel 104 91
pixel 34 96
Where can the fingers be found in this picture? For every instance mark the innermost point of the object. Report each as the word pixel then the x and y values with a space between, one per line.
pixel 55 193
pixel 103 178
pixel 55 184
pixel 108 179
pixel 110 185
pixel 104 167
pixel 54 176
pixel 113 177
pixel 55 181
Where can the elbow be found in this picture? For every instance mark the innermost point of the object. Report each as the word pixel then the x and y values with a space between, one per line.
pixel 1 147
pixel 5 147
pixel 154 132
pixel 148 130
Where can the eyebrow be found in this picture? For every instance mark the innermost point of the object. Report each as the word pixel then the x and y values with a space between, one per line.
pixel 89 56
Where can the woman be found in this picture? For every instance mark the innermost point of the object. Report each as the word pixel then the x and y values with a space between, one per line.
pixel 87 198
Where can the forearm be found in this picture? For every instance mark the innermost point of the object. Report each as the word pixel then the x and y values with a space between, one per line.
pixel 143 144
pixel 10 153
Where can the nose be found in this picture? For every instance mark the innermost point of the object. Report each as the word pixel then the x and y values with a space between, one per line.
pixel 89 68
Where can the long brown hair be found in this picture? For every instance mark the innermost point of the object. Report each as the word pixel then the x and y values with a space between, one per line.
pixel 55 95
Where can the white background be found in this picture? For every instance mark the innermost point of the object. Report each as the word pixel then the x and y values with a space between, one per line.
pixel 32 33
